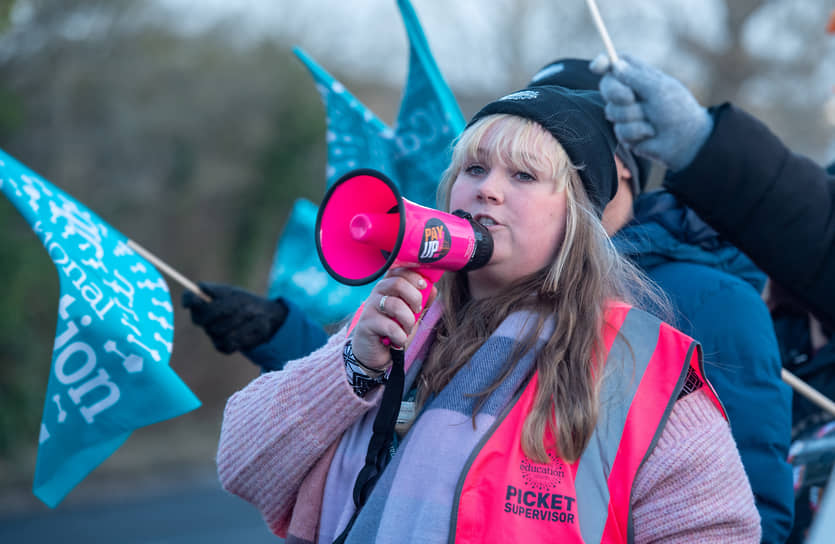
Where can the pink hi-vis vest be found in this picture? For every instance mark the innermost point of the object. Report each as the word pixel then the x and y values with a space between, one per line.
pixel 504 496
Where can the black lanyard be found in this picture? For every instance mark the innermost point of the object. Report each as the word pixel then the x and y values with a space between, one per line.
pixel 379 447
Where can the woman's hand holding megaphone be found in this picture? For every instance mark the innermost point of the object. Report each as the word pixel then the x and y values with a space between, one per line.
pixel 389 312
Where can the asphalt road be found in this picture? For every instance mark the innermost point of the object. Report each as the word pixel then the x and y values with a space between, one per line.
pixel 199 513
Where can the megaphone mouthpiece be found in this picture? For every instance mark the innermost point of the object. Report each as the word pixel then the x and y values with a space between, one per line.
pixel 376 229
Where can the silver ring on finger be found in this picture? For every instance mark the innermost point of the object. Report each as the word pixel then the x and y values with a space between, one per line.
pixel 381 306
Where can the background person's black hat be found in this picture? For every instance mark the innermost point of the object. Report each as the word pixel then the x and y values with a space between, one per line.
pixel 568 72
pixel 576 74
pixel 577 120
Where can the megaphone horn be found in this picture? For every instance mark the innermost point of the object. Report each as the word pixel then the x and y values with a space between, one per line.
pixel 364 227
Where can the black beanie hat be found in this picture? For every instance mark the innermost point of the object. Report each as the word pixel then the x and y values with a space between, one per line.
pixel 576 120
pixel 575 74
pixel 569 72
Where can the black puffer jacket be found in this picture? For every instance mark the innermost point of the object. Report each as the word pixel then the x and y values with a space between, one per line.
pixel 775 205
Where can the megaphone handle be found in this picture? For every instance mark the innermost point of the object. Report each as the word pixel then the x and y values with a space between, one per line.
pixel 431 275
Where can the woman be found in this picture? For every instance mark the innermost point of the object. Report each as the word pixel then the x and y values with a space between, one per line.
pixel 547 408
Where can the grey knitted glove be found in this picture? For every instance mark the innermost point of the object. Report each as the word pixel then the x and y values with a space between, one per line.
pixel 653 113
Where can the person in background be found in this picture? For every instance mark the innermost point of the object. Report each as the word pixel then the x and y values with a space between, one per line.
pixel 776 206
pixel 808 351
pixel 547 407
pixel 715 291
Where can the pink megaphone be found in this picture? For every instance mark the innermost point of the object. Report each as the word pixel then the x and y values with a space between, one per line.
pixel 364 227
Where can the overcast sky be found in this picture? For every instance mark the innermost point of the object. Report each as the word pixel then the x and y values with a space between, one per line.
pixel 466 36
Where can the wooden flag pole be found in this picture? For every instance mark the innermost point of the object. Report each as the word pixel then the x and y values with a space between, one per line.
pixel 809 392
pixel 173 274
pixel 601 29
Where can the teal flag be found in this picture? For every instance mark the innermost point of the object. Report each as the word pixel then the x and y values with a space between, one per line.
pixel 356 138
pixel 115 333
pixel 428 122
pixel 414 154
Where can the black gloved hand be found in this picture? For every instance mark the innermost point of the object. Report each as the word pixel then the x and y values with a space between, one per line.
pixel 235 319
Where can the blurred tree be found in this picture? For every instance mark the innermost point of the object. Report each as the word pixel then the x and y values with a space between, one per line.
pixel 192 146
pixel 27 309
pixel 5 11
pixel 289 166
pixel 21 379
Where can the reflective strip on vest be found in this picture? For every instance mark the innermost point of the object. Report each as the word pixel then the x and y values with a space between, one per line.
pixel 504 496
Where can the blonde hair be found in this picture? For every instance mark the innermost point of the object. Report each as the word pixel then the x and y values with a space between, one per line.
pixel 585 274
